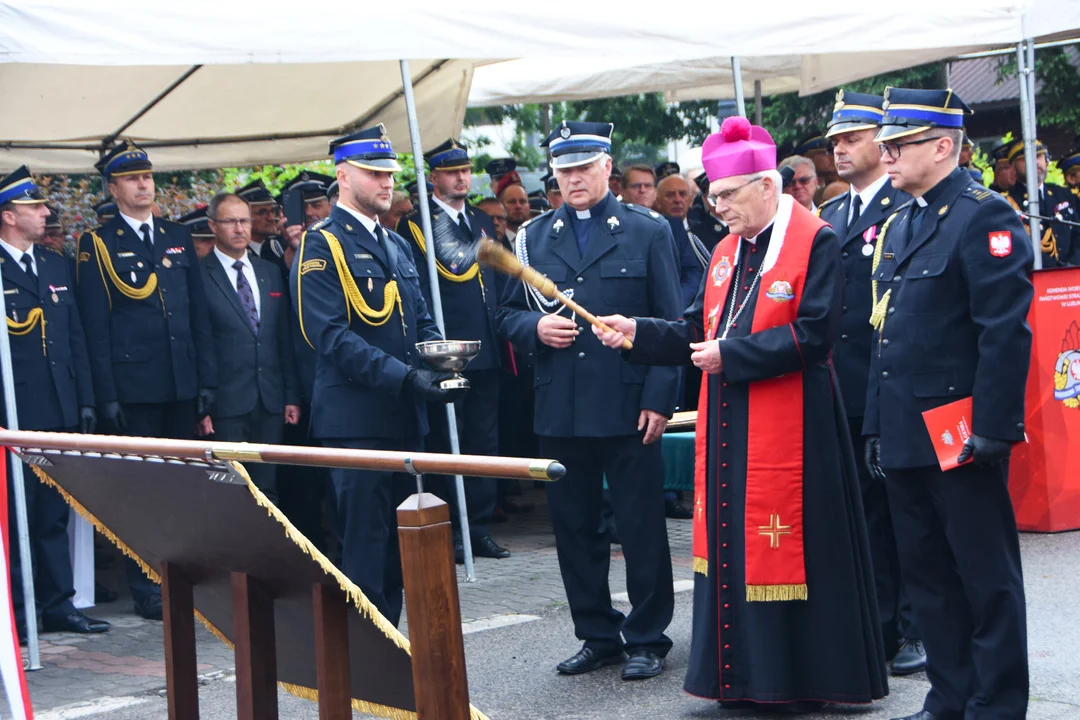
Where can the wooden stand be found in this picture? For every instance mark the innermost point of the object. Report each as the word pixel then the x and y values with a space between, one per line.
pixel 181 674
pixel 438 649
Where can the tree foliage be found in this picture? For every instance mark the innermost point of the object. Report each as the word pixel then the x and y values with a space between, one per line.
pixel 1058 72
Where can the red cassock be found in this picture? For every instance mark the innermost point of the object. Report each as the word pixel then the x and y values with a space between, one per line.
pixel 784 603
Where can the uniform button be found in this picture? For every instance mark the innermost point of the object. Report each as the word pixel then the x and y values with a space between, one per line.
pixel 897 278
pixel 393 275
pixel 723 444
pixel 725 384
pixel 581 279
pixel 843 254
pixel 723 465
pixel 892 310
pixel 844 308
pixel 173 339
pixel 580 328
pixel 885 343
pixel 753 249
pixel 843 337
pixel 724 587
pixel 727 667
pixel 952 389
pixel 724 525
pixel 724 566
pixel 724 545
pixel 170 314
pixel 723 424
pixel 622 270
pixel 723 504
pixel 727 687
pixel 734 325
pixel 1020 426
pixel 885 375
pixel 746 288
pixel 724 485
pixel 727 647
pixel 724 404
pixel 727 627
pixel 925 272
pixel 581 354
pixel 750 269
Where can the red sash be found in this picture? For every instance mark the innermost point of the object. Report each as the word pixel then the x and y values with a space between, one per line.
pixel 775 566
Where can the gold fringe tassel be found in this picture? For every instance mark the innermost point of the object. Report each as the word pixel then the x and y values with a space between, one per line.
pixel 351 590
pixel 701 565
pixel 775 593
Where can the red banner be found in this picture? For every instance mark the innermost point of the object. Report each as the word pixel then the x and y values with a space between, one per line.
pixel 1044 480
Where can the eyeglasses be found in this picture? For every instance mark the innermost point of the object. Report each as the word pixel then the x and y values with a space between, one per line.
pixel 234 222
pixel 804 181
pixel 725 196
pixel 893 149
pixel 265 211
pixel 642 186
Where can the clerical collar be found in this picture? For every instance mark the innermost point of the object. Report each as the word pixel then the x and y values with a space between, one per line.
pixel 369 223
pixel 931 196
pixel 753 240
pixel 583 214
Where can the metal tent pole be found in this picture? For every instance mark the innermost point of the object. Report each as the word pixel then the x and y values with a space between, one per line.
pixel 436 301
pixel 736 75
pixel 757 103
pixel 1025 73
pixel 29 606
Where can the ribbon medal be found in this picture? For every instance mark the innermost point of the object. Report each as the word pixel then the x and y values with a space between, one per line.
pixel 868 238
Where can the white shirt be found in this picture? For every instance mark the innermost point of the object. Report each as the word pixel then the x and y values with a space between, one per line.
pixel 18 255
pixel 249 274
pixel 452 212
pixel 136 224
pixel 867 195
pixel 256 247
pixel 369 223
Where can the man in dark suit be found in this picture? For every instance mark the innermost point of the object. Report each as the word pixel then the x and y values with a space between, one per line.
pixel 258 391
pixel 952 294
pixel 857 216
pixel 357 294
pixel 598 414
pixel 469 296
pixel 53 392
pixel 144 309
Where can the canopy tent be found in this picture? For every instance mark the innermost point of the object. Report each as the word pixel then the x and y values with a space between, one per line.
pixel 206 84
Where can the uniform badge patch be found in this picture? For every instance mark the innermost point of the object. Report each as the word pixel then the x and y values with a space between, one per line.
pixel 780 291
pixel 1001 243
pixel 84 257
pixel 311 265
pixel 721 271
pixel 557 226
pixel 613 222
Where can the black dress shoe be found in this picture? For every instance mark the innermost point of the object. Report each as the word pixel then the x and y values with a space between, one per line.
pixel 512 506
pixel 921 715
pixel 676 510
pixel 910 658
pixel 488 548
pixel 149 607
pixel 459 551
pixel 588 659
pixel 74 622
pixel 642 664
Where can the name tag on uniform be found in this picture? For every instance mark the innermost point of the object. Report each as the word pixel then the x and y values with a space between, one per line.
pixel 363 256
pixel 125 254
pixel 887 256
pixel 12 291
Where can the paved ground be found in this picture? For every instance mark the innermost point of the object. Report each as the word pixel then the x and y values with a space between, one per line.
pixel 120 675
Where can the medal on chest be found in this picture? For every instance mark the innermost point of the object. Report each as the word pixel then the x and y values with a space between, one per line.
pixel 868 240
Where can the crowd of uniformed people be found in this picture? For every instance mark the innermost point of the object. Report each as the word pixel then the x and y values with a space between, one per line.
pixel 231 323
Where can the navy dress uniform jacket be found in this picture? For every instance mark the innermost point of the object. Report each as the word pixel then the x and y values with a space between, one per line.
pixel 460 300
pixel 63 364
pixel 1060 242
pixel 155 350
pixel 851 354
pixel 360 369
pixel 956 325
pixel 588 390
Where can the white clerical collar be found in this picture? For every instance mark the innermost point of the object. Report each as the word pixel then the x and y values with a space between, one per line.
pixel 583 214
pixel 870 191
pixel 753 240
pixel 136 225
pixel 921 201
pixel 369 223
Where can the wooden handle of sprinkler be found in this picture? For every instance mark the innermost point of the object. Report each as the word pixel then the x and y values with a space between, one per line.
pixel 547 289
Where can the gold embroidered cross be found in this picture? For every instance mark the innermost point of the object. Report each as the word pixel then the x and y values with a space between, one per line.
pixel 774 530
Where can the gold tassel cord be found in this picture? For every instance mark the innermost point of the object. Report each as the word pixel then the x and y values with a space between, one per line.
pixel 775 593
pixel 881 305
pixel 34 318
pixel 105 265
pixel 466 276
pixel 391 297
pixel 351 590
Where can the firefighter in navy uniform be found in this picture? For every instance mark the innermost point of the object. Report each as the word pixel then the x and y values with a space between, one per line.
pixel 598 414
pixel 53 392
pixel 144 310
pixel 265 242
pixel 357 294
pixel 952 293
pixel 701 221
pixel 1060 242
pixel 469 296
pixel 857 216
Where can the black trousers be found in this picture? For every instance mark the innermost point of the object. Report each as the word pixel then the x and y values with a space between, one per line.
pixel 367 502
pixel 635 475
pixel 894 607
pixel 301 490
pixel 960 561
pixel 172 420
pixel 258 426
pixel 50 555
pixel 478 434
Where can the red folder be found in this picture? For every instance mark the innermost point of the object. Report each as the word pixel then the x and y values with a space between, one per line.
pixel 949 427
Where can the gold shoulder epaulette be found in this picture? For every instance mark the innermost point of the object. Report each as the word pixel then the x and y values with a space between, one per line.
pixel 979 193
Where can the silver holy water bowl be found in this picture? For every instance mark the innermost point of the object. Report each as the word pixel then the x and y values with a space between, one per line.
pixel 449 356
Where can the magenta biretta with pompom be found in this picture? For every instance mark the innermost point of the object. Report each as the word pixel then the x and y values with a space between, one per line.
pixel 738 149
